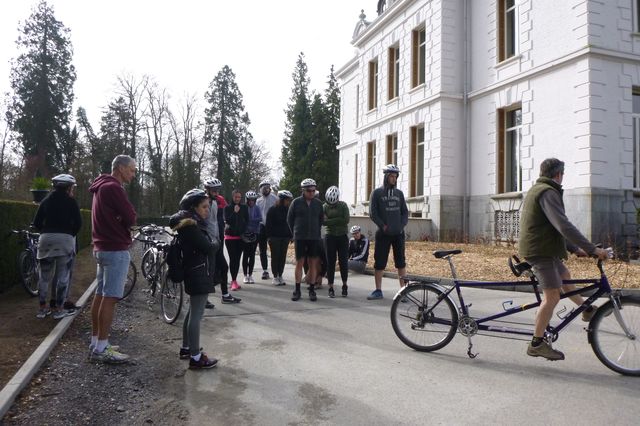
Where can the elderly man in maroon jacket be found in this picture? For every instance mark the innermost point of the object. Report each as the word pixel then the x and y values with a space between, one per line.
pixel 112 216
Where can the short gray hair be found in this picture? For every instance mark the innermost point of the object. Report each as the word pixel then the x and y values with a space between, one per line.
pixel 551 167
pixel 121 160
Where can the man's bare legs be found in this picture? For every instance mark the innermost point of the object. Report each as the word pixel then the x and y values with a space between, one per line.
pixel 298 270
pixel 551 297
pixel 378 277
pixel 102 311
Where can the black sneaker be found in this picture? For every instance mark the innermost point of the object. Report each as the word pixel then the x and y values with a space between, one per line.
pixel 209 305
pixel 185 353
pixel 265 275
pixel 203 363
pixel 312 295
pixel 332 293
pixel 345 293
pixel 296 296
pixel 69 305
pixel 230 299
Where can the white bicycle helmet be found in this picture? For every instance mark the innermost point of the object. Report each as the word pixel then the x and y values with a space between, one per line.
pixel 308 182
pixel 191 198
pixel 264 183
pixel 390 168
pixel 63 180
pixel 212 183
pixel 354 229
pixel 283 194
pixel 251 195
pixel 332 195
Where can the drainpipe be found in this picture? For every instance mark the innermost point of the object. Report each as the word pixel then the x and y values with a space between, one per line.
pixel 467 135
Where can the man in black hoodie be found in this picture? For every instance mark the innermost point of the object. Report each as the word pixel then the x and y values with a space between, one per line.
pixel 389 212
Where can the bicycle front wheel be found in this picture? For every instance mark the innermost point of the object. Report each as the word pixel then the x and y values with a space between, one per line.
pixel 148 263
pixel 171 297
pixel 132 277
pixel 615 336
pixel 28 270
pixel 422 318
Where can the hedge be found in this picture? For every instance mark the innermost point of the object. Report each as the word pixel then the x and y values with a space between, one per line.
pixel 18 215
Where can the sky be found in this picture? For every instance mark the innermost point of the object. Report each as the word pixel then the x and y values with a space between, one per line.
pixel 183 45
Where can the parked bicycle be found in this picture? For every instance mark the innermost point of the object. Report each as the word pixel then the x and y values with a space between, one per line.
pixel 171 293
pixel 27 260
pixel 425 316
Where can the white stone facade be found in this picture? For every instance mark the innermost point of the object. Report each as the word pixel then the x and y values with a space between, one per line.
pixel 572 77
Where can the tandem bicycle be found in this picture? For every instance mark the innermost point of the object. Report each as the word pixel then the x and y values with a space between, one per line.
pixel 425 316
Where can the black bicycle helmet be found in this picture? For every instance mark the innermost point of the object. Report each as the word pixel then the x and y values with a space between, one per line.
pixel 191 198
pixel 283 194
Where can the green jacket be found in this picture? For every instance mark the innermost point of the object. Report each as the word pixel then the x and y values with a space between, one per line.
pixel 538 237
pixel 337 220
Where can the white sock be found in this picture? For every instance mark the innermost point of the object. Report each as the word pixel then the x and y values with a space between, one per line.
pixel 226 295
pixel 94 341
pixel 101 345
pixel 197 357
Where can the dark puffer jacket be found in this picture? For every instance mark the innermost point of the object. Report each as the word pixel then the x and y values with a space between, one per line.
pixel 198 252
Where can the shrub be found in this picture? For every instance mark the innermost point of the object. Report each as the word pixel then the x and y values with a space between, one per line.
pixel 40 183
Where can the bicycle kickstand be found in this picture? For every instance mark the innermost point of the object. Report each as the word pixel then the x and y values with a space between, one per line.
pixel 469 353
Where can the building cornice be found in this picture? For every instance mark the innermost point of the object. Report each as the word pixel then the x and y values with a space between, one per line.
pixel 394 10
pixel 347 68
pixel 347 145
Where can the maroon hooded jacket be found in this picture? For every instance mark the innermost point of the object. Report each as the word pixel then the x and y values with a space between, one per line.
pixel 112 215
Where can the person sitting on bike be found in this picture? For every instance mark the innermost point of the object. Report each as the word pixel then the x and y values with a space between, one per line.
pixel 59 221
pixel 358 250
pixel 199 257
pixel 544 232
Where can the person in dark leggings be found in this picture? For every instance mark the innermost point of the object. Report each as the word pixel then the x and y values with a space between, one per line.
pixel 236 218
pixel 266 200
pixel 199 267
pixel 279 235
pixel 336 219
pixel 250 237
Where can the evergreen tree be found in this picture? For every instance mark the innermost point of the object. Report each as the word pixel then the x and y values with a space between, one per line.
pixel 225 124
pixel 42 79
pixel 332 112
pixel 318 155
pixel 296 161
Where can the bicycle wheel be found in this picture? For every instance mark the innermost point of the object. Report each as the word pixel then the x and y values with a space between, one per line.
pixel 171 297
pixel 611 344
pixel 148 263
pixel 132 277
pixel 27 268
pixel 423 321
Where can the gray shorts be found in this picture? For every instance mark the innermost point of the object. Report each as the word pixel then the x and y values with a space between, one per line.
pixel 548 271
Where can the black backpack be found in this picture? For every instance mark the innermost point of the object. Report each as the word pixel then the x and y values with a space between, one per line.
pixel 175 260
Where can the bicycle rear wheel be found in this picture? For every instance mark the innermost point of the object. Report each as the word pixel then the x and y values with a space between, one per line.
pixel 148 263
pixel 28 270
pixel 422 319
pixel 132 277
pixel 171 297
pixel 612 345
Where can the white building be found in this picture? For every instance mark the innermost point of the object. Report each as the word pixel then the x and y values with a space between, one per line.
pixel 469 96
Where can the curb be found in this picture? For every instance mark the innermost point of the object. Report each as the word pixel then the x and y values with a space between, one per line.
pixel 19 381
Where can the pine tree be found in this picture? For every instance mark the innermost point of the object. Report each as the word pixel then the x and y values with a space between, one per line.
pixel 332 112
pixel 296 161
pixel 42 79
pixel 225 124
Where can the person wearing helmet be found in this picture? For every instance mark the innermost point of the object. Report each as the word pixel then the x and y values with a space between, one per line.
pixel 305 217
pixel 112 216
pixel 58 220
pixel 198 248
pixel 215 223
pixel 250 237
pixel 336 219
pixel 388 210
pixel 358 250
pixel 236 217
pixel 279 235
pixel 266 200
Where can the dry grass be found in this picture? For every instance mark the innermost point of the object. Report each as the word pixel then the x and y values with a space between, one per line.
pixel 489 263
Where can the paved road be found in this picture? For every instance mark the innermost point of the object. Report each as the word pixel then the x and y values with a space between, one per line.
pixel 338 361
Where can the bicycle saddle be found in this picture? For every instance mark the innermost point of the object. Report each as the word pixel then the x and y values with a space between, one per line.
pixel 519 267
pixel 439 254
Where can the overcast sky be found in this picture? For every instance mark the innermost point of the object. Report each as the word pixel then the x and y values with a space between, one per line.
pixel 183 44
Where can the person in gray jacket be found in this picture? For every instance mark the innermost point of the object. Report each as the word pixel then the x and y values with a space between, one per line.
pixel 305 218
pixel 266 200
pixel 389 212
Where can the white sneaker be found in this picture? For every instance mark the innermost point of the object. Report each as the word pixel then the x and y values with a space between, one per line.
pixel 246 279
pixel 275 281
pixel 251 281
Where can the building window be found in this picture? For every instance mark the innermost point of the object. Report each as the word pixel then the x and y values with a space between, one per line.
pixel 636 137
pixel 373 84
pixel 418 60
pixel 392 149
pixel 371 167
pixel 509 157
pixel 507 29
pixel 635 5
pixel 417 161
pixel 355 181
pixel 394 72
